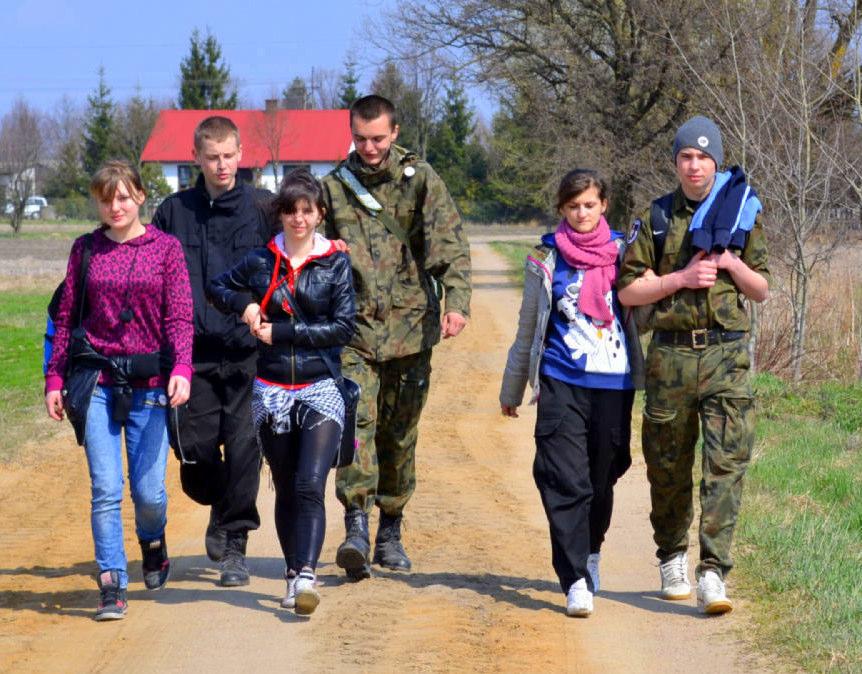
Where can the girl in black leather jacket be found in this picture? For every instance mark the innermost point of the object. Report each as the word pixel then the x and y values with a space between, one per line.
pixel 298 410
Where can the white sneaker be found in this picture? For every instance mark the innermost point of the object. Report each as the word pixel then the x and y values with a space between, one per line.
pixel 674 577
pixel 711 597
pixel 579 600
pixel 593 569
pixel 306 595
pixel 289 600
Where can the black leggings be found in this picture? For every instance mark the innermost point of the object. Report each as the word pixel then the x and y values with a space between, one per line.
pixel 300 462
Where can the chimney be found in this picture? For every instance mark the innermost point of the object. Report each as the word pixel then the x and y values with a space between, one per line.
pixel 270 105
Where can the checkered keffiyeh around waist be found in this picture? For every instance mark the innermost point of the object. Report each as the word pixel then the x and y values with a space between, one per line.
pixel 272 404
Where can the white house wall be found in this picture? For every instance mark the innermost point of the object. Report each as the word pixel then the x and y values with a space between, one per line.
pixel 171 176
pixel 319 169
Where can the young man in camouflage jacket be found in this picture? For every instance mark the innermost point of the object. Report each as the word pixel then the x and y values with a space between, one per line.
pixel 406 244
pixel 697 365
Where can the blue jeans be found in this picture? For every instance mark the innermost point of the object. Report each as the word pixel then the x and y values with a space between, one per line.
pixel 147 452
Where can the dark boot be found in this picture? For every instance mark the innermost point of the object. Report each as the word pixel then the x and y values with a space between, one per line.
pixel 234 572
pixel 215 538
pixel 352 555
pixel 156 565
pixel 388 551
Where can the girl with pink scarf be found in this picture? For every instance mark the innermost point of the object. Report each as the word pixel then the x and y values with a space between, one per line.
pixel 576 346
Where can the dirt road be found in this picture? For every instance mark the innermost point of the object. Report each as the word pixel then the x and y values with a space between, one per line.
pixel 482 597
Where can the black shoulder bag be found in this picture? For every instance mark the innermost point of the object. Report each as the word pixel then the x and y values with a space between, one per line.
pixel 349 390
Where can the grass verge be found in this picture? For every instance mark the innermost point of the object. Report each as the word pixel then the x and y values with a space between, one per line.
pixel 798 544
pixel 799 538
pixel 22 325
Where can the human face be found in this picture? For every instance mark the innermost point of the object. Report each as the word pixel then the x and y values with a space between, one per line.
pixel 583 211
pixel 299 226
pixel 373 138
pixel 219 161
pixel 696 173
pixel 122 213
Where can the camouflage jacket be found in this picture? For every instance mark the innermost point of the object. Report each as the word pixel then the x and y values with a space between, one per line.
pixel 721 306
pixel 397 308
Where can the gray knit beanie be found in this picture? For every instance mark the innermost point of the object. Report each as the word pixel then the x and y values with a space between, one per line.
pixel 702 134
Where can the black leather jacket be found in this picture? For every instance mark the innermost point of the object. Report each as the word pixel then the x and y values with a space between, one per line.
pixel 324 292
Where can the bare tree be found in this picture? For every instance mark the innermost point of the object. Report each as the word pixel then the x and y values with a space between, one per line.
pixel 598 79
pixel 325 88
pixel 22 148
pixel 271 131
pixel 779 96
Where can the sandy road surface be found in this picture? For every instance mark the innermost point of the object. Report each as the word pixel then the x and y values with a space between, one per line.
pixel 482 598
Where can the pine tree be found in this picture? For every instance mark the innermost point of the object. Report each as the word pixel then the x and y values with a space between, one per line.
pixel 204 77
pixel 389 83
pixel 348 91
pixel 296 96
pixel 99 127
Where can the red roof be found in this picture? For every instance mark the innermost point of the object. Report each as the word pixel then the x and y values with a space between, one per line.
pixel 301 135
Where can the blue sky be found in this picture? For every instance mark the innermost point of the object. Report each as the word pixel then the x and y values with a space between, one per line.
pixel 53 48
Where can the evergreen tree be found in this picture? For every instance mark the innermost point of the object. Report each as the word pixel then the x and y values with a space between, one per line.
pixel 389 82
pixel 99 127
pixel 348 91
pixel 296 96
pixel 135 121
pixel 204 78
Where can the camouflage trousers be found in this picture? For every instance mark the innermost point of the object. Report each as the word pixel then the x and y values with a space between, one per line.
pixel 690 390
pixel 387 419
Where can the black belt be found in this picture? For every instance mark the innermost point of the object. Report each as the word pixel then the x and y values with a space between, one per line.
pixel 697 339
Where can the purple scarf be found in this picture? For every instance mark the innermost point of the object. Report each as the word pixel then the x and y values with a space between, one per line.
pixel 596 254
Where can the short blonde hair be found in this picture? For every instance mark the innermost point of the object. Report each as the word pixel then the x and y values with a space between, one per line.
pixel 215 128
pixel 110 174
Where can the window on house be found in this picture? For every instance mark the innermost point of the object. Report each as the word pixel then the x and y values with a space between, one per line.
pixel 287 168
pixel 184 176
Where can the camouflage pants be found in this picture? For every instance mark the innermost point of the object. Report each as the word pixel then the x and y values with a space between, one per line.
pixel 684 386
pixel 393 395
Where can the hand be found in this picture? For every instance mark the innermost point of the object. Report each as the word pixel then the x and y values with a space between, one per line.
pixel 179 389
pixel 725 260
pixel 700 272
pixel 509 410
pixel 264 333
pixel 251 316
pixel 452 324
pixel 341 246
pixel 54 404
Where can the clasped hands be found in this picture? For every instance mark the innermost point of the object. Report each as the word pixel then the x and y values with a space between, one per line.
pixel 258 324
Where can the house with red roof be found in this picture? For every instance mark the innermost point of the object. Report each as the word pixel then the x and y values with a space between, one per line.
pixel 274 141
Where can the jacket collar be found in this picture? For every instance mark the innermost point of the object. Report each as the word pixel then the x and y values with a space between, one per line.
pixel 227 201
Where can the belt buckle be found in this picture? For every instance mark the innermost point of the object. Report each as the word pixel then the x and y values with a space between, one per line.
pixel 699 338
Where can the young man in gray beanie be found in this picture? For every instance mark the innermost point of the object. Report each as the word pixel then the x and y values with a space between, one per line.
pixel 697 365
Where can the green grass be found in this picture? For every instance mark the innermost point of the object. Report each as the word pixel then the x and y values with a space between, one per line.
pixel 799 539
pixel 22 326
pixel 798 546
pixel 515 254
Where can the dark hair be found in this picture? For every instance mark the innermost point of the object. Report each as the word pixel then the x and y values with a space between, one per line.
pixel 298 185
pixel 575 182
pixel 371 107
pixel 108 177
pixel 215 128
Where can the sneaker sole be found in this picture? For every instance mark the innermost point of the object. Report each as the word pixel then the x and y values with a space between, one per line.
pixel 234 583
pixel 402 569
pixel 349 559
pixel 105 617
pixel 677 596
pixel 579 613
pixel 288 603
pixel 306 602
pixel 717 607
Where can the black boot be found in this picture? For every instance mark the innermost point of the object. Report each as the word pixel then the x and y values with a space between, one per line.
pixel 388 551
pixel 215 538
pixel 234 572
pixel 156 565
pixel 352 555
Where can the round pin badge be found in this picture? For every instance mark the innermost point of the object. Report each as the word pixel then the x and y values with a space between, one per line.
pixel 703 141
pixel 409 171
pixel 163 399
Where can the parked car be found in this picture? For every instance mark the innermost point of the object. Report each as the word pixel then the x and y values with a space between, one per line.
pixel 32 207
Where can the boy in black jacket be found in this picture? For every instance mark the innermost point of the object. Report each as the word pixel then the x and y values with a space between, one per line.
pixel 218 222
